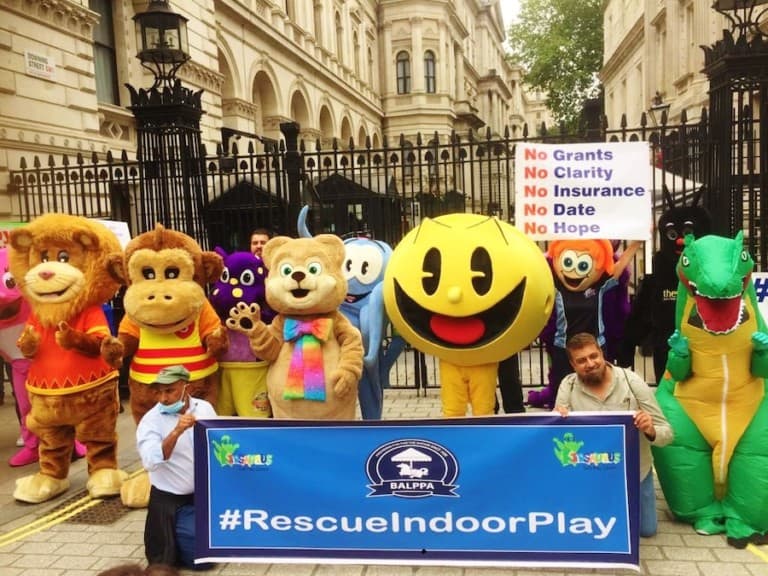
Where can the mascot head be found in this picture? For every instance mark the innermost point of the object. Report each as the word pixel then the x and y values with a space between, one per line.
pixel 716 272
pixel 305 275
pixel 364 264
pixel 467 288
pixel 59 261
pixel 678 221
pixel 242 280
pixel 165 272
pixel 579 264
pixel 13 307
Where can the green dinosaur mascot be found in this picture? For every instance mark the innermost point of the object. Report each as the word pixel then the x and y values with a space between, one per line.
pixel 715 473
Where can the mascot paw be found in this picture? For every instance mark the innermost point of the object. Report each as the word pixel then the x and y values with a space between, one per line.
pixel 760 341
pixel 217 342
pixel 344 383
pixel 65 336
pixel 39 488
pixel 105 482
pixel 112 351
pixel 28 342
pixel 244 317
pixel 134 492
pixel 679 344
pixel 540 398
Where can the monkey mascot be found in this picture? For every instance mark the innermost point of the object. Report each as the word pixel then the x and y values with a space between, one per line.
pixel 168 320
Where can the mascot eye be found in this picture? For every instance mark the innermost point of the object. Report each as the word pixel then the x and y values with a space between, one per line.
pixel 672 233
pixel 247 278
pixel 568 260
pixel 744 256
pixel 63 256
pixel 286 270
pixel 482 271
pixel 348 265
pixel 9 281
pixel 171 273
pixel 584 265
pixel 44 256
pixel 148 273
pixel 431 279
pixel 365 261
pixel 684 260
pixel 315 268
pixel 224 275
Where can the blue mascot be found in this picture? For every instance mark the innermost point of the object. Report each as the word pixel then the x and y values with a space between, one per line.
pixel 364 266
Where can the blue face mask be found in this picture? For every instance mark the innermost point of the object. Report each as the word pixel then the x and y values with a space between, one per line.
pixel 174 408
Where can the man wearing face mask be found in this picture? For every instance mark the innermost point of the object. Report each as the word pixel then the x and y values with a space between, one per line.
pixel 165 443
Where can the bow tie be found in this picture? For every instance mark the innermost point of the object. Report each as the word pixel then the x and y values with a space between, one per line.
pixel 320 328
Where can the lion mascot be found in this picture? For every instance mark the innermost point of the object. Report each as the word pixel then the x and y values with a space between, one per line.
pixel 59 262
pixel 315 353
pixel 168 321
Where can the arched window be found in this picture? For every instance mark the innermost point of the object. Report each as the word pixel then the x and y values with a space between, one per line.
pixel 429 72
pixel 403 73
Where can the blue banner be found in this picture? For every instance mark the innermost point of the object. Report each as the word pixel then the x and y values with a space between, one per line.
pixel 505 491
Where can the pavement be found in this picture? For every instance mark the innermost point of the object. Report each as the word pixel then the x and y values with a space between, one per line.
pixel 76 536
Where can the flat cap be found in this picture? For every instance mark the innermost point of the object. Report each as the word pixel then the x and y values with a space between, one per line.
pixel 171 375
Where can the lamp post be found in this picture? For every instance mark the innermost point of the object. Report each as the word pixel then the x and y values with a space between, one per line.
pixel 738 86
pixel 170 153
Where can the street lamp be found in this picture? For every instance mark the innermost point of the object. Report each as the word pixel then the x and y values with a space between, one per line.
pixel 744 15
pixel 169 149
pixel 660 108
pixel 161 37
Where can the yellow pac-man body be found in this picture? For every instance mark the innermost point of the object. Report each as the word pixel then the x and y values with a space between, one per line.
pixel 468 289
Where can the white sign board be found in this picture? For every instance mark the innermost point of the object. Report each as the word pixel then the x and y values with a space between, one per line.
pixel 39 65
pixel 119 229
pixel 596 190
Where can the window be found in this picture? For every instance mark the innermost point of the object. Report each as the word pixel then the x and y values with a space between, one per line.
pixel 403 73
pixel 429 72
pixel 104 53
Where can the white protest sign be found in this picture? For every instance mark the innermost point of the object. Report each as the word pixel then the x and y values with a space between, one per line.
pixel 595 190
pixel 119 228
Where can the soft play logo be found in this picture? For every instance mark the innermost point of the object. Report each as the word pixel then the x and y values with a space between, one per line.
pixel 412 469
pixel 226 454
pixel 568 453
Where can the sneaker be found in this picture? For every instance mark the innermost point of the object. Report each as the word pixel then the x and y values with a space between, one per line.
pixel 19 442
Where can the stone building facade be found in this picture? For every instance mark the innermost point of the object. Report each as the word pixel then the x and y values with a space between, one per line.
pixel 355 70
pixel 652 57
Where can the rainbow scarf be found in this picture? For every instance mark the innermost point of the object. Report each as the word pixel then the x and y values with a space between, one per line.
pixel 306 379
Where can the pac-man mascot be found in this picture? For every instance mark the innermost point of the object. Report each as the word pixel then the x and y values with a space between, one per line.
pixel 584 272
pixel 365 261
pixel 715 473
pixel 470 290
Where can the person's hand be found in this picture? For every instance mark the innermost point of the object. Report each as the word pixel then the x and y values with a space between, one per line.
pixel 679 344
pixel 644 423
pixel 562 410
pixel 185 421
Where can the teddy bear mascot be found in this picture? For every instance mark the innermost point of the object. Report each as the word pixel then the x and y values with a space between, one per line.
pixel 315 354
pixel 714 474
pixel 652 318
pixel 471 290
pixel 365 261
pixel 584 272
pixel 168 321
pixel 59 263
pixel 243 375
